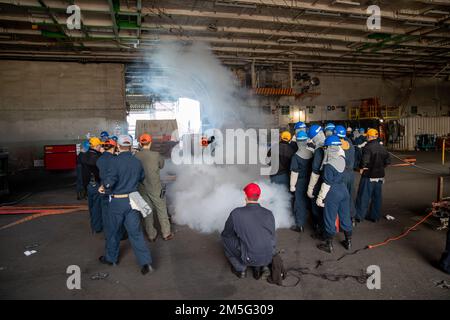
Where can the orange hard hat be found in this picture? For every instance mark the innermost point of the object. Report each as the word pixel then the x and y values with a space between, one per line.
pixel 145 138
pixel 110 142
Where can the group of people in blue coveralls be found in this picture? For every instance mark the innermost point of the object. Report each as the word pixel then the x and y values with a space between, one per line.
pixel 322 178
pixel 108 178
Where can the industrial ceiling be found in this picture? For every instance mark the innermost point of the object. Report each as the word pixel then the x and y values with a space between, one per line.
pixel 321 35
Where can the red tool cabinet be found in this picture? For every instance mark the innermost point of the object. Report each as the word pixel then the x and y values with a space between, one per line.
pixel 60 157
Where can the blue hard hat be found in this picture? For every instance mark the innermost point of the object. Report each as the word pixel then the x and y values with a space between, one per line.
pixel 85 145
pixel 329 126
pixel 362 130
pixel 301 136
pixel 340 131
pixel 314 130
pixel 299 125
pixel 104 134
pixel 114 138
pixel 332 141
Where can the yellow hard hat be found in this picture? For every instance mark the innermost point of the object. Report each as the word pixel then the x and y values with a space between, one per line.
pixel 286 136
pixel 94 141
pixel 372 133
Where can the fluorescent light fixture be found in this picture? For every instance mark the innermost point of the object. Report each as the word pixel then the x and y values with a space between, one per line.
pixel 358 16
pixel 287 40
pixel 351 3
pixel 401 50
pixel 437 12
pixel 322 13
pixel 419 24
pixel 235 4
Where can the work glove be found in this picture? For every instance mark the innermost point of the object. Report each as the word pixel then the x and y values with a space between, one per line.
pixel 362 145
pixel 293 180
pixel 312 183
pixel 324 188
pixel 310 192
pixel 320 202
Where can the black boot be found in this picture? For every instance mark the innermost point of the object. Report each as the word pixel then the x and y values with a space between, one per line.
pixel 146 269
pixel 347 243
pixel 327 246
pixel 298 229
pixel 265 273
pixel 103 260
pixel 257 272
pixel 239 274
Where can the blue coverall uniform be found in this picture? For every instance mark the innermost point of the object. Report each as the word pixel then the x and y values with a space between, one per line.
pixel 336 202
pixel 302 202
pixel 249 237
pixel 125 174
pixel 91 181
pixel 349 174
pixel 317 212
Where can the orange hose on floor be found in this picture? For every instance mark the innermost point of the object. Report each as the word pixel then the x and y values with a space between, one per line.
pixel 43 213
pixel 372 246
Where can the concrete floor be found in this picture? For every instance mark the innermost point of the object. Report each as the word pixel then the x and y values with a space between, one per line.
pixel 192 266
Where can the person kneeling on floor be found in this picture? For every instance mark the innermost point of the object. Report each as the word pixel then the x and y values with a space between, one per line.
pixel 249 236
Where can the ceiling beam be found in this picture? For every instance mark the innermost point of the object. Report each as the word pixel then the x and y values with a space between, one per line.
pixel 360 11
pixel 237 53
pixel 113 19
pixel 360 26
pixel 299 35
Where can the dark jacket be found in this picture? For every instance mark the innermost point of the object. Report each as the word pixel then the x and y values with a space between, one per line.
pixel 349 150
pixel 375 158
pixel 89 168
pixel 285 153
pixel 104 165
pixel 254 228
pixel 125 174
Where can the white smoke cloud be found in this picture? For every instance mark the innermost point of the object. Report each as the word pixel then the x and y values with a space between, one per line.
pixel 204 195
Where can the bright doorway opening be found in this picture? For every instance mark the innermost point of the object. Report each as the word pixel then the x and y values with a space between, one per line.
pixel 184 110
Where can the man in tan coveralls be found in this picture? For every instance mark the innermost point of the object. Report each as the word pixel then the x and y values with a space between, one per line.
pixel 151 190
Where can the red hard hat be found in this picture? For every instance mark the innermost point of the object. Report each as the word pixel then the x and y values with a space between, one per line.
pixel 252 191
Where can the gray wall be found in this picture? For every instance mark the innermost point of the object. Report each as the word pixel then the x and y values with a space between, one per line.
pixel 431 96
pixel 56 102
